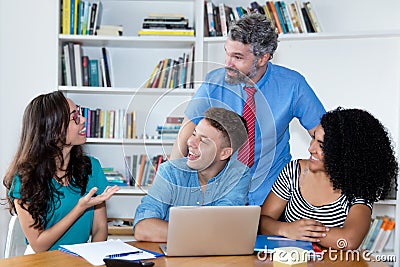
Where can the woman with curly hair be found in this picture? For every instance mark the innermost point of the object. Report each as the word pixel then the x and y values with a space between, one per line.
pixel 51 185
pixel 330 195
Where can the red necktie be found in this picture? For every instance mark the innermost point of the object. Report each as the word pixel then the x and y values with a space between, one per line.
pixel 246 152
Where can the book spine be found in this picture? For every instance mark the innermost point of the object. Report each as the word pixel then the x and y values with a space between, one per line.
pixel 313 17
pixel 93 11
pixel 94 72
pixel 211 23
pixel 281 16
pixel 223 19
pixel 85 71
pixel 106 67
pixel 78 64
pixel 276 17
pixel 68 79
pixel 72 17
pixel 66 9
pixel 300 15
pixel 72 63
pixel 288 18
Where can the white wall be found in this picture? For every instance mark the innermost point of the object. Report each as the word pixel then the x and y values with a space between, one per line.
pixel 28 67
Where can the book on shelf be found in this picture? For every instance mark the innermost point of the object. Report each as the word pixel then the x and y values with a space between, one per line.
pixel 299 13
pixel 79 17
pixel 217 20
pixel 106 67
pixel 170 129
pixel 223 19
pixel 295 18
pixel 80 70
pixel 65 16
pixel 110 30
pixel 85 18
pixel 272 9
pixel 281 16
pixel 165 23
pixel 78 64
pixel 67 63
pixel 286 17
pixel 71 52
pixel 257 8
pixel 378 234
pixel 364 244
pixel 94 72
pixel 114 177
pixel 170 32
pixel 108 124
pixel 210 15
pixel 165 17
pixel 313 17
pixel 289 17
pixel 171 73
pixel 307 20
pixel 381 243
pixel 85 71
pixel 382 235
pixel 95 17
pixel 73 16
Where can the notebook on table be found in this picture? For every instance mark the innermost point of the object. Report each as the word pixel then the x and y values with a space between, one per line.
pixel 212 230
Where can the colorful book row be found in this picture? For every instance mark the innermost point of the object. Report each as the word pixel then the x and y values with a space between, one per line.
pixel 141 169
pixel 109 123
pixel 288 17
pixel 80 17
pixel 171 73
pixel 378 234
pixel 80 70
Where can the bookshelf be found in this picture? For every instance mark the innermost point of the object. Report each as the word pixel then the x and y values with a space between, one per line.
pixel 343 63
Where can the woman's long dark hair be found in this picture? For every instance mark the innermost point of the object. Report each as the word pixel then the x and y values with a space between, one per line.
pixel 358 154
pixel 43 137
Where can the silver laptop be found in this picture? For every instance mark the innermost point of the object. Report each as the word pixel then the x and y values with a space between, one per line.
pixel 212 230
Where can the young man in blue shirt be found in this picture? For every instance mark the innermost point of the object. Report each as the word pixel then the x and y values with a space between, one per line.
pixel 208 176
pixel 281 95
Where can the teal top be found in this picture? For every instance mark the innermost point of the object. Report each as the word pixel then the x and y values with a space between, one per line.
pixel 80 231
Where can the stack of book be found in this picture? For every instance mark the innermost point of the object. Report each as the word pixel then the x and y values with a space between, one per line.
pixel 169 130
pixel 173 73
pixel 378 234
pixel 158 24
pixel 293 17
pixel 110 30
pixel 115 177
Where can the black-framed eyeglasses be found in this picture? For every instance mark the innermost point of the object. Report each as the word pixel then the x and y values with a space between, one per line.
pixel 77 113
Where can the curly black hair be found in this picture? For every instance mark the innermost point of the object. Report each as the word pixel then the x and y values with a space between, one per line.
pixel 358 154
pixel 43 137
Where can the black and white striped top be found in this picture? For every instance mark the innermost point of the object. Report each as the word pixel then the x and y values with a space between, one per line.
pixel 287 188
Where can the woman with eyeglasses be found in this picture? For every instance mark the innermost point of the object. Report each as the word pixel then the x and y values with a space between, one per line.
pixel 57 192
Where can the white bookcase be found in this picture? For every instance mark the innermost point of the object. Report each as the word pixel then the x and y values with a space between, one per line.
pixel 354 62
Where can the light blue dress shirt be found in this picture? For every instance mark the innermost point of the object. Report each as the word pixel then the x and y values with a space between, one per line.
pixel 282 95
pixel 178 185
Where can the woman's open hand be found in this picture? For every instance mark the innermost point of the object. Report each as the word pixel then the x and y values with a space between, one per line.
pixel 92 199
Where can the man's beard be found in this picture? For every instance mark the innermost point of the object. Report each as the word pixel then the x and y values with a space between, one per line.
pixel 240 77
